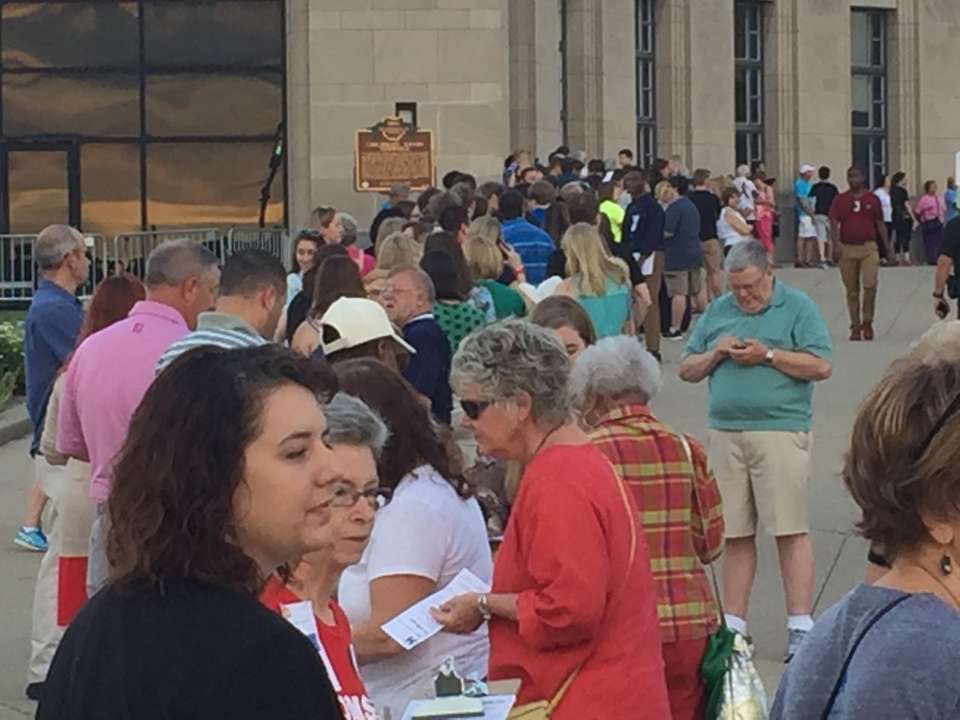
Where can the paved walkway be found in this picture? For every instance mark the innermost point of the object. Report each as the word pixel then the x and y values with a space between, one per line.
pixel 904 314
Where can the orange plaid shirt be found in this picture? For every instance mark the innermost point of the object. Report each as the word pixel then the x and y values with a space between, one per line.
pixel 680 511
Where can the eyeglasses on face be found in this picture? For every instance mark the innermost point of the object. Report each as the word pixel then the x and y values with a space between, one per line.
pixel 346 495
pixel 473 409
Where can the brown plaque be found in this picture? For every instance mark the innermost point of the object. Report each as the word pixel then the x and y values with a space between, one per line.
pixel 393 152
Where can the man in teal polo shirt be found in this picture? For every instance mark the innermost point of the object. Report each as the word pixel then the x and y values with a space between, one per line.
pixel 762 346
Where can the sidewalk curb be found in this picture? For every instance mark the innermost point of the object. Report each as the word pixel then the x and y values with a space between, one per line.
pixel 14 423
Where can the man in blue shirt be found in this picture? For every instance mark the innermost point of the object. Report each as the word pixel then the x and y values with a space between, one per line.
pixel 682 252
pixel 52 325
pixel 533 244
pixel 643 234
pixel 762 346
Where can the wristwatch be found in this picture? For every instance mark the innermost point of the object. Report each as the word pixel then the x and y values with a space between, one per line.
pixel 484 607
pixel 768 358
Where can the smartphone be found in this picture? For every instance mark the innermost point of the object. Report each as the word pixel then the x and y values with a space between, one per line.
pixel 942 309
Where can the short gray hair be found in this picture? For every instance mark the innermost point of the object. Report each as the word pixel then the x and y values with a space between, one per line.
pixel 54 243
pixel 512 356
pixel 421 278
pixel 747 254
pixel 613 367
pixel 174 261
pixel 351 422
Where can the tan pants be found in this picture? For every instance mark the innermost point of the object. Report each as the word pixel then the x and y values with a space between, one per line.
pixel 860 263
pixel 651 323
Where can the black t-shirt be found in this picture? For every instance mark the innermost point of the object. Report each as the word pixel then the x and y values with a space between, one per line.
pixel 194 651
pixel 951 242
pixel 824 192
pixel 898 201
pixel 297 312
pixel 709 206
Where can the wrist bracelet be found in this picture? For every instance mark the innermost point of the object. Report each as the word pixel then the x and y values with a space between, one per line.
pixel 484 607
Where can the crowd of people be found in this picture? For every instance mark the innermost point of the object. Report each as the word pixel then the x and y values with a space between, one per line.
pixel 350 433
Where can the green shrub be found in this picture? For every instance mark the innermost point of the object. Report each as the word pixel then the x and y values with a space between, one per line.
pixel 11 360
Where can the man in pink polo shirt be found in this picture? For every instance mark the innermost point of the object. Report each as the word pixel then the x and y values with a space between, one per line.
pixel 111 370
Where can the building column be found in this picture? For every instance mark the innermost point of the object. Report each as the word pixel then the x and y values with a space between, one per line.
pixel 903 101
pixel 297 130
pixel 673 80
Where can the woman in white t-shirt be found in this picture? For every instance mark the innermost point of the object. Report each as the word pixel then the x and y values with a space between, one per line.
pixel 731 227
pixel 430 531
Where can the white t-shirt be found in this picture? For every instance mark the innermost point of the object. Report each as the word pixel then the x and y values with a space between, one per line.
pixel 885 204
pixel 748 190
pixel 429 531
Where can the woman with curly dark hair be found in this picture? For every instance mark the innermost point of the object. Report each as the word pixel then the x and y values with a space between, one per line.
pixel 430 531
pixel 223 479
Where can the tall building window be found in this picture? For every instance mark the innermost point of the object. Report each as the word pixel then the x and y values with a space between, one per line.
pixel 748 80
pixel 120 116
pixel 868 118
pixel 646 84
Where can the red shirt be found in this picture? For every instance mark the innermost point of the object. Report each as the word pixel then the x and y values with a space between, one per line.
pixel 336 649
pixel 566 554
pixel 858 217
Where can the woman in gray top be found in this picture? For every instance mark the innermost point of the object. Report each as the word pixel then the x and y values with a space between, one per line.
pixel 892 649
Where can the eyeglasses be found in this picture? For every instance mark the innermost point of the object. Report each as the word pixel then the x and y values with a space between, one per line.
pixel 938 426
pixel 473 409
pixel 346 495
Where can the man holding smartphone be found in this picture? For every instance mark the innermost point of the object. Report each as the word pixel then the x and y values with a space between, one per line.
pixel 860 238
pixel 762 346
pixel 946 266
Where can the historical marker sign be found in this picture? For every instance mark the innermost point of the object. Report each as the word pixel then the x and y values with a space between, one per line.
pixel 393 152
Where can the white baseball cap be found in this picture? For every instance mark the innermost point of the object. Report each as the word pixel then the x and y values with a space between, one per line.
pixel 804 169
pixel 357 321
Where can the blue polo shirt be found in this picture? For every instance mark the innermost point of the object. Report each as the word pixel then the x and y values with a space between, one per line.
pixel 532 244
pixel 51 329
pixel 759 397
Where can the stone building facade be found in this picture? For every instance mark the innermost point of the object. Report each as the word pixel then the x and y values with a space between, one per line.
pixel 723 81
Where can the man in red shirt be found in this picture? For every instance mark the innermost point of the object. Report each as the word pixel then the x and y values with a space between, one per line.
pixel 857 220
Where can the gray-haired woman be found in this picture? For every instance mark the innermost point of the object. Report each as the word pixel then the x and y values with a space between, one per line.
pixel 572 611
pixel 356 436
pixel 612 384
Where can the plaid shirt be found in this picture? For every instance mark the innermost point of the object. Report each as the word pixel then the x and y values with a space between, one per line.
pixel 676 502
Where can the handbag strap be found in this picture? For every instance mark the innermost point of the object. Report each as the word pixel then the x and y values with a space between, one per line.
pixel 703 528
pixel 846 663
pixel 558 696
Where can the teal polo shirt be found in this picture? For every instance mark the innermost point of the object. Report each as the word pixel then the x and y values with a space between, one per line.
pixel 759 397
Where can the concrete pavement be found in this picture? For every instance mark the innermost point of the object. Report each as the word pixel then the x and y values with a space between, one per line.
pixel 904 313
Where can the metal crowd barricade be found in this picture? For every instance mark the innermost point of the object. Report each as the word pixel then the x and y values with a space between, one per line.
pixel 275 241
pixel 132 249
pixel 18 270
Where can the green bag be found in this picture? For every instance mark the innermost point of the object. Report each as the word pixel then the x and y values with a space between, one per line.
pixel 714 666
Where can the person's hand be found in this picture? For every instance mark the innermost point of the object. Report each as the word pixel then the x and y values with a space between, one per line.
pixel 755 353
pixel 836 252
pixel 941 307
pixel 725 345
pixel 459 615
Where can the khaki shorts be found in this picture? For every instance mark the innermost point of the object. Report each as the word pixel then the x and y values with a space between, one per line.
pixel 683 282
pixel 762 474
pixel 712 256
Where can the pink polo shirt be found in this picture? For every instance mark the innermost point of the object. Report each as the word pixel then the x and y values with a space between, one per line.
pixel 108 376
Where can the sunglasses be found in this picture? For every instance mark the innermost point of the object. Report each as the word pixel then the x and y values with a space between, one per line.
pixel 473 409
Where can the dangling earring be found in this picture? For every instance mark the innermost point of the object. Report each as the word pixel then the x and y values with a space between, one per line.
pixel 946 564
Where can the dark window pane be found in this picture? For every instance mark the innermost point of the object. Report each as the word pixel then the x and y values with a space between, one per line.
pixel 740 96
pixel 209 184
pixel 238 34
pixel 213 104
pixel 39 192
pixel 740 32
pixel 861 152
pixel 110 188
pixel 61 34
pixel 877 26
pixel 741 142
pixel 879 102
pixel 87 104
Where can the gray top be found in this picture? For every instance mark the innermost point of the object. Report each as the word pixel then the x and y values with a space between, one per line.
pixel 906 666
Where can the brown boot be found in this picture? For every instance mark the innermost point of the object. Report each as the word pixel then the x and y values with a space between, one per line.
pixel 855 332
pixel 867 331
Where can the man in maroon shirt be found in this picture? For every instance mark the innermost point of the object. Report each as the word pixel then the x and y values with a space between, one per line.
pixel 857 220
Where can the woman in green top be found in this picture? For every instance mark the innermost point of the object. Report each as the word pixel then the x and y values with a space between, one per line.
pixel 486 262
pixel 599 282
pixel 455 316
